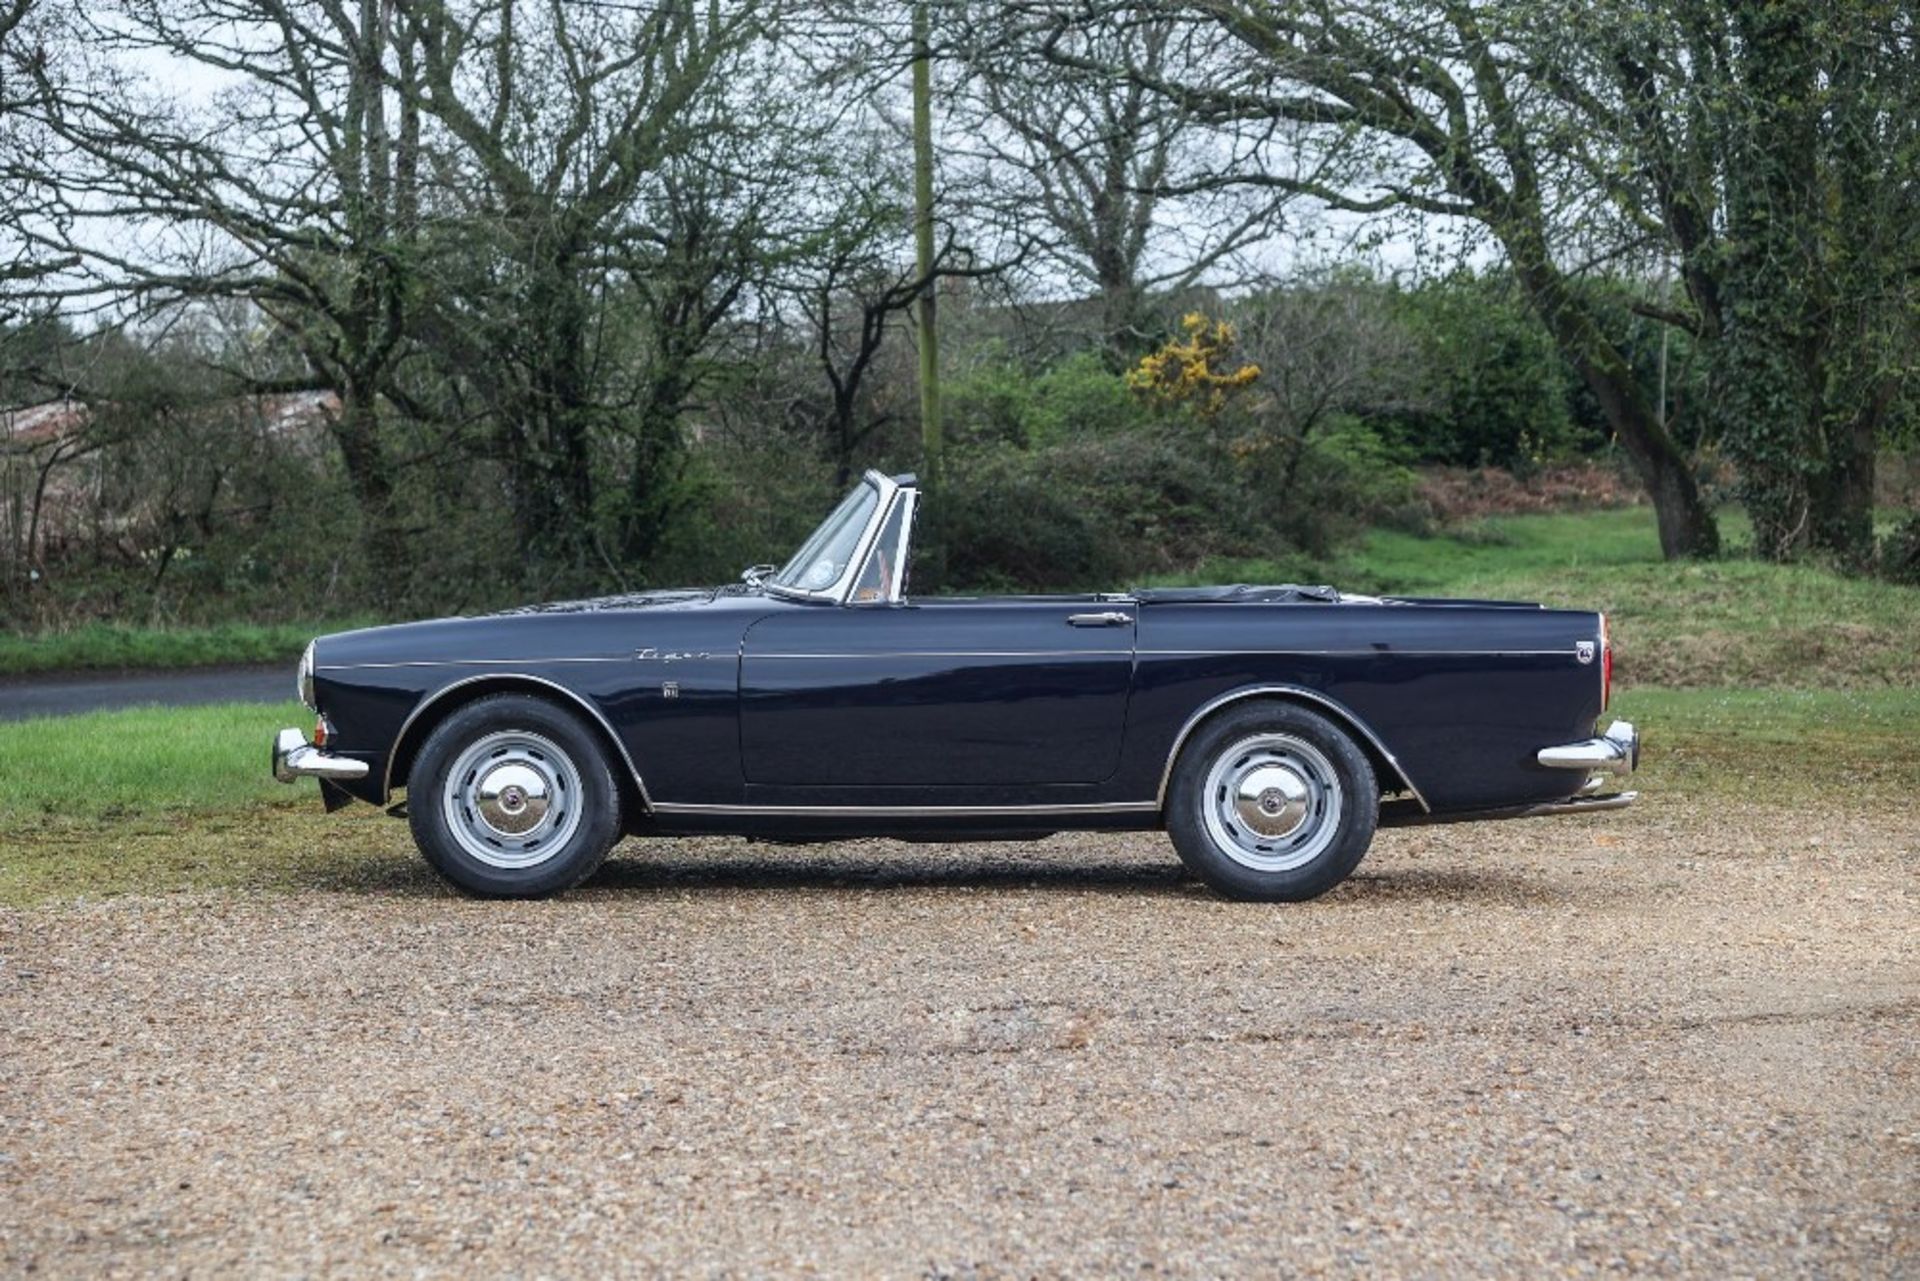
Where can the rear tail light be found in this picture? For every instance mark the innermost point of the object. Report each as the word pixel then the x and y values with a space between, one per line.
pixel 1606 665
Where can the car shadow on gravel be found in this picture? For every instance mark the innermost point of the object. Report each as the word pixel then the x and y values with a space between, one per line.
pixel 908 871
pixel 1452 885
pixel 641 873
pixel 914 868
pixel 961 868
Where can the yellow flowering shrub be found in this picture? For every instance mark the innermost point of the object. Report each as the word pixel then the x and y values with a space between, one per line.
pixel 1195 369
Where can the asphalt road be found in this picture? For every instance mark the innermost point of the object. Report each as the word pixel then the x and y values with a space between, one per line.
pixel 66 694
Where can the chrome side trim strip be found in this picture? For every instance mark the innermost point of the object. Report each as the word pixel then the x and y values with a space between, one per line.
pixel 991 653
pixel 477 662
pixel 386 782
pixel 1368 653
pixel 908 811
pixel 964 653
pixel 1294 691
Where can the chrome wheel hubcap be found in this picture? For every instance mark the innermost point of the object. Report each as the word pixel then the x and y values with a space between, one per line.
pixel 1272 802
pixel 513 799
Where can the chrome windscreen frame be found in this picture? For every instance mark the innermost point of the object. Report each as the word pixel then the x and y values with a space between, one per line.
pixel 890 492
pixel 906 502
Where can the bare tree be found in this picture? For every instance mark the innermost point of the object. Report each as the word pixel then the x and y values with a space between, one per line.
pixel 295 188
pixel 851 291
pixel 1086 163
pixel 1384 107
pixel 551 119
pixel 22 159
pixel 1324 347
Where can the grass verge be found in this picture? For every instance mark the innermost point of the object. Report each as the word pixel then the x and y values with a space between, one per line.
pixel 159 800
pixel 141 763
pixel 1819 748
pixel 156 801
pixel 100 645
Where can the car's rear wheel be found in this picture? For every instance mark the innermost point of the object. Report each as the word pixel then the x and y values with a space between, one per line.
pixel 1270 801
pixel 511 796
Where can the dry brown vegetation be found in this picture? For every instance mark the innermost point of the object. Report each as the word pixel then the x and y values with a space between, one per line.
pixel 1460 495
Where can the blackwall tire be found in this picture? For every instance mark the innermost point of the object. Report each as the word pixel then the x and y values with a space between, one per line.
pixel 512 797
pixel 1272 802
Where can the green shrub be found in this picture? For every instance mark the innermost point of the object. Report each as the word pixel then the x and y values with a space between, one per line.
pixel 1497 390
pixel 1900 552
pixel 998 403
pixel 1085 513
pixel 1349 480
pixel 988 403
pixel 739 505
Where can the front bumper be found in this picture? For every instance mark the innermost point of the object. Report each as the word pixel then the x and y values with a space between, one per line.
pixel 1615 752
pixel 295 758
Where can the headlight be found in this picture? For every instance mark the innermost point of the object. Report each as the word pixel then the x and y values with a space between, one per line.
pixel 303 682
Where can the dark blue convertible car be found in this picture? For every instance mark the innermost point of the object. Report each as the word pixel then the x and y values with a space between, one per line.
pixel 1269 730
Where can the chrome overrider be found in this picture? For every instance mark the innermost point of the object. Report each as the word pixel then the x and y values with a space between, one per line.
pixel 295 758
pixel 1616 752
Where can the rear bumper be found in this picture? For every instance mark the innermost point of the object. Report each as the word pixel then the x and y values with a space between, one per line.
pixel 1409 814
pixel 1615 752
pixel 295 758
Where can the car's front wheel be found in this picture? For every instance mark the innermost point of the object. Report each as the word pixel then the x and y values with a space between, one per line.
pixel 1273 802
pixel 511 797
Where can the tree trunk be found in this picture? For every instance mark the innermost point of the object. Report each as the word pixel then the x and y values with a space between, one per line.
pixel 1120 320
pixel 843 440
pixel 1688 530
pixel 650 502
pixel 569 424
pixel 932 446
pixel 1687 527
pixel 356 429
pixel 1841 520
pixel 547 427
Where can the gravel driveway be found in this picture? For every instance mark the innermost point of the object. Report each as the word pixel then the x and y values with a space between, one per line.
pixel 1678 1039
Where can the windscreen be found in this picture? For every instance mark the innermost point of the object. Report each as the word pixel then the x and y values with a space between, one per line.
pixel 822 560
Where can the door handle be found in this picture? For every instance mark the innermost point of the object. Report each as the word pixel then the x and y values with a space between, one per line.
pixel 1112 618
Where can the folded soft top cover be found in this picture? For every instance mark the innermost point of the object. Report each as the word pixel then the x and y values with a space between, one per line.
pixel 1237 594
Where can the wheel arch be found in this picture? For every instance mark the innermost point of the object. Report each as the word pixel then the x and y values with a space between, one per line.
pixel 1385 764
pixel 448 699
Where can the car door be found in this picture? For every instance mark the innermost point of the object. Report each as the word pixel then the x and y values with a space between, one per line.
pixel 946 693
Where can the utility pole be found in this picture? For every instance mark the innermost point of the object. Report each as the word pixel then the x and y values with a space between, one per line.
pixel 930 435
